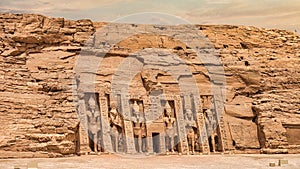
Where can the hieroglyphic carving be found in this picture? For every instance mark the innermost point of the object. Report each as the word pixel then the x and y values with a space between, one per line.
pixel 84 140
pixel 153 113
pixel 223 135
pixel 179 100
pixel 128 128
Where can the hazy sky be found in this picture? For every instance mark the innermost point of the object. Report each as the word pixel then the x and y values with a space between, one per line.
pixel 263 13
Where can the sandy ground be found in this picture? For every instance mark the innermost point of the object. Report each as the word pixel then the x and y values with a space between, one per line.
pixel 157 162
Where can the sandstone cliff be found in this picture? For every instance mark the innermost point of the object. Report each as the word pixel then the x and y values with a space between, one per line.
pixel 37 110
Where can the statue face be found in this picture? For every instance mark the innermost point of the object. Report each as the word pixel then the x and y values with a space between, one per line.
pixel 168 112
pixel 93 107
pixel 189 113
pixel 201 115
pixel 113 111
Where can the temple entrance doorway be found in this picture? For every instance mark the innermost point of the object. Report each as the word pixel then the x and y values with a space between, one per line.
pixel 156 142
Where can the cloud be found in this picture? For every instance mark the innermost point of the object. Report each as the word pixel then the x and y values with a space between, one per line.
pixel 264 13
pixel 55 6
pixel 216 2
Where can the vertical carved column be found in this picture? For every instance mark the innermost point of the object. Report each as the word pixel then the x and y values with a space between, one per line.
pixel 81 113
pixel 105 123
pixel 128 129
pixel 221 131
pixel 149 142
pixel 181 124
pixel 203 138
pixel 223 139
pixel 84 140
pixel 197 103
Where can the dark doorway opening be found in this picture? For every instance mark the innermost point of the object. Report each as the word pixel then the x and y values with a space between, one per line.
pixel 211 149
pixel 156 142
pixel 91 140
pixel 176 145
pixel 216 138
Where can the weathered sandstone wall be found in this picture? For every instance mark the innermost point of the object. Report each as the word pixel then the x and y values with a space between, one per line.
pixel 37 107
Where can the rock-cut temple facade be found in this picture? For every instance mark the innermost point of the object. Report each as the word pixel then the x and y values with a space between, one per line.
pixel 81 87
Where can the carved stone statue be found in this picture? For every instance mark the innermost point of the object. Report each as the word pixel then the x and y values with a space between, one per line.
pixel 116 128
pixel 93 119
pixel 209 120
pixel 206 101
pixel 190 124
pixel 202 140
pixel 170 132
pixel 210 123
pixel 137 125
pixel 189 119
pixel 136 111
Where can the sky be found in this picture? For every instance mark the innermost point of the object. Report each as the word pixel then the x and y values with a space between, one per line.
pixel 282 14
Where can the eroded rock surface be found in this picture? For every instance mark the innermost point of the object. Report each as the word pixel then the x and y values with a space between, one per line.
pixel 38 109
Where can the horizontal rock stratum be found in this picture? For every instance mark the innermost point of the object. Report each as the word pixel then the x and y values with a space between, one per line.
pixel 48 109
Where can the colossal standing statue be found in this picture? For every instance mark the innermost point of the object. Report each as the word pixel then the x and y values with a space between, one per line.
pixel 190 124
pixel 93 119
pixel 116 127
pixel 169 123
pixel 137 125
